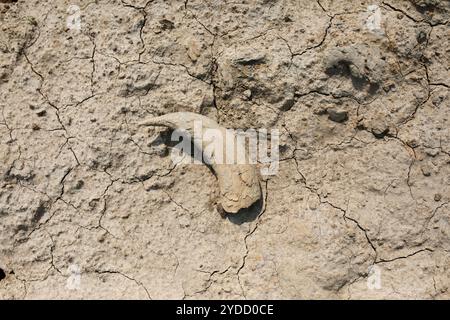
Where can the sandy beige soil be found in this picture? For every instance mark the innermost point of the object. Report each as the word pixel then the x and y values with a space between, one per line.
pixel 91 205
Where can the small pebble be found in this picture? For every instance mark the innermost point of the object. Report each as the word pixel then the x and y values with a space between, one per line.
pixel 41 113
pixel 337 116
pixel 248 94
pixel 426 170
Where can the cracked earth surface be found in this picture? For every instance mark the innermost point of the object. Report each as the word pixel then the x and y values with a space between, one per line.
pixel 364 176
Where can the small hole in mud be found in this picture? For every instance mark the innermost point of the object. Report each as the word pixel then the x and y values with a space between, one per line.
pixel 2 274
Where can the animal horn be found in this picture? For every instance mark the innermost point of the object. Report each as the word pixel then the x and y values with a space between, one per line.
pixel 238 183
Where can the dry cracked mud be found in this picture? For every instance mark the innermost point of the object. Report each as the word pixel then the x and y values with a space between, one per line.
pixel 91 205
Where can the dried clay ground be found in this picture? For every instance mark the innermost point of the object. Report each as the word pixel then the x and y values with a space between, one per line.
pixel 91 205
